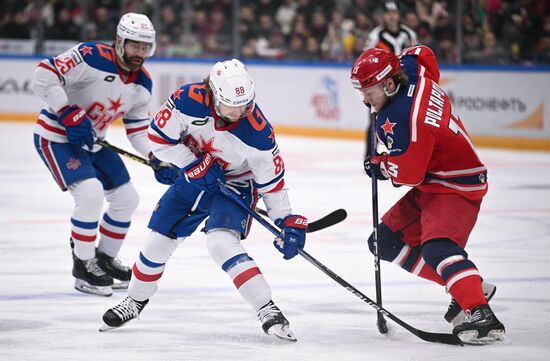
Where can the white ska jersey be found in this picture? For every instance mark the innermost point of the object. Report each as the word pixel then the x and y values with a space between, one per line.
pixel 87 75
pixel 187 125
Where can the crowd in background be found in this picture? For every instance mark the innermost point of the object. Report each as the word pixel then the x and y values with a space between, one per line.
pixel 494 31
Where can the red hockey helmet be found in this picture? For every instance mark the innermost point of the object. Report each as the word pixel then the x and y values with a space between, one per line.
pixel 372 66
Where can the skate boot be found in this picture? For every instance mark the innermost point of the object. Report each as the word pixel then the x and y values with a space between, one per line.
pixel 456 316
pixel 122 313
pixel 112 267
pixel 480 327
pixel 89 278
pixel 274 323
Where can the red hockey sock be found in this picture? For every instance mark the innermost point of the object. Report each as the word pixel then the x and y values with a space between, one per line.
pixel 428 273
pixel 468 292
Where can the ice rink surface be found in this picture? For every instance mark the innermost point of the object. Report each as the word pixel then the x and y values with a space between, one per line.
pixel 198 315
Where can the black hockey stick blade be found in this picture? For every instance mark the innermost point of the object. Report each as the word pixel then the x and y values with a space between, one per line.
pixel 329 220
pixel 445 338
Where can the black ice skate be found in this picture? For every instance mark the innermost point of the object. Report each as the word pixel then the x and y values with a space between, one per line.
pixel 122 313
pixel 112 267
pixel 481 327
pixel 274 323
pixel 89 278
pixel 456 316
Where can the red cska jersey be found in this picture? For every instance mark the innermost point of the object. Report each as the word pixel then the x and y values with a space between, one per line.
pixel 428 145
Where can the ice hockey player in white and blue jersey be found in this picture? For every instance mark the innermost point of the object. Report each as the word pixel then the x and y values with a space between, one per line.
pixel 215 132
pixel 84 90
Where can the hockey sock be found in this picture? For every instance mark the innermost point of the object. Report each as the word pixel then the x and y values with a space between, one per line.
pixel 88 199
pixel 123 201
pixel 150 265
pixel 225 249
pixel 468 292
pixel 394 250
pixel 112 235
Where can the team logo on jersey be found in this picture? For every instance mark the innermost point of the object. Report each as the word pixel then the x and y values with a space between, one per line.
pixel 208 145
pixel 86 50
pixel 388 127
pixel 272 135
pixel 73 163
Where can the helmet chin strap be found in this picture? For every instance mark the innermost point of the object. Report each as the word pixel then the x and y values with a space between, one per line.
pixel 122 63
pixel 392 93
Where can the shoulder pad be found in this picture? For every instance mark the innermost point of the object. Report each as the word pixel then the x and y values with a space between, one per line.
pixel 255 130
pixel 144 79
pixel 98 55
pixel 192 100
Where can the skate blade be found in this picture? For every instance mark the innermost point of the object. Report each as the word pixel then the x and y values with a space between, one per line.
pixel 282 333
pixel 122 285
pixel 105 327
pixel 471 337
pixel 85 287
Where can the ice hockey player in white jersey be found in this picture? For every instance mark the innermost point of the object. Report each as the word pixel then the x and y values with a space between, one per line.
pixel 84 90
pixel 215 132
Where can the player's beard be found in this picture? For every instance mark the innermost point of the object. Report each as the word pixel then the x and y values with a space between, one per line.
pixel 133 63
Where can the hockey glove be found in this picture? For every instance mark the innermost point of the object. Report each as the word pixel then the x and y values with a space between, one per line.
pixel 293 235
pixel 377 165
pixel 165 173
pixel 77 125
pixel 204 174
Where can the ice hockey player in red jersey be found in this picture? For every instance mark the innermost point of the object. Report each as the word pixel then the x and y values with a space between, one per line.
pixel 84 90
pixel 216 132
pixel 423 144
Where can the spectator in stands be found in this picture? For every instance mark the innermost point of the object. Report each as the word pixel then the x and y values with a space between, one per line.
pixel 429 11
pixel 318 27
pixel 64 27
pixel 285 15
pixel 296 48
pixel 492 54
pixel 313 49
pixel 472 47
pixel 104 28
pixel 170 25
pixel 517 35
pixel 446 52
pixel 15 26
pixel 543 49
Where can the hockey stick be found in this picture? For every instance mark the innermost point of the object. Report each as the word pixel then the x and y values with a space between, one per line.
pixel 445 338
pixel 125 153
pixel 381 322
pixel 330 219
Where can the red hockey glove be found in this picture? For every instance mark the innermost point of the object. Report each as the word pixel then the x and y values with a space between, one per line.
pixel 378 166
pixel 77 125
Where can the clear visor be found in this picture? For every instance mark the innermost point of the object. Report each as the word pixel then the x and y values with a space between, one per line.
pixel 140 47
pixel 233 113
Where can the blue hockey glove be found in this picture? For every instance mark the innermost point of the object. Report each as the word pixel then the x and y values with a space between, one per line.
pixel 378 166
pixel 204 174
pixel 165 173
pixel 77 125
pixel 293 235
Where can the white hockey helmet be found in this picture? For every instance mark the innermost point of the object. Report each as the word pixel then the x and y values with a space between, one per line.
pixel 231 85
pixel 136 27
